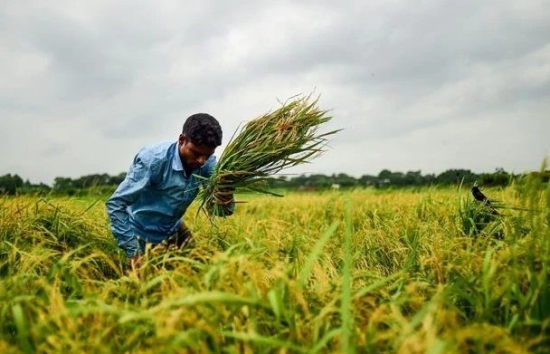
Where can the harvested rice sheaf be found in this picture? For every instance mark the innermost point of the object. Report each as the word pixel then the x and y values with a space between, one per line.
pixel 265 146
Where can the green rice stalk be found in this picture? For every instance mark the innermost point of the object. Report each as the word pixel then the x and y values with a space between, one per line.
pixel 263 341
pixel 265 146
pixel 22 332
pixel 315 254
pixel 346 313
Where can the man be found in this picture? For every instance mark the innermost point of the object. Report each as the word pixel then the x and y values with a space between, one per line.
pixel 163 180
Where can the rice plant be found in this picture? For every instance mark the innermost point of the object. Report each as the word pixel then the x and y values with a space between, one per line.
pixel 265 146
pixel 332 272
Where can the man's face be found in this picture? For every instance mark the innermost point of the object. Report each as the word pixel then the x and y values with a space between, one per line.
pixel 193 156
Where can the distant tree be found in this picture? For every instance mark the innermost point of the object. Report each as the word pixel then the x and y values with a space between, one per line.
pixel 94 180
pixel 429 179
pixel 456 176
pixel 367 180
pixel 344 180
pixel 116 180
pixel 37 189
pixel 318 181
pixel 498 178
pixel 64 185
pixel 397 179
pixel 384 174
pixel 413 178
pixel 9 184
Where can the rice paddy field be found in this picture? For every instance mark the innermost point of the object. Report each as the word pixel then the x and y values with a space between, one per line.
pixel 359 271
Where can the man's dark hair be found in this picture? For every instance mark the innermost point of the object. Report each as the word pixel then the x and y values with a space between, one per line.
pixel 202 129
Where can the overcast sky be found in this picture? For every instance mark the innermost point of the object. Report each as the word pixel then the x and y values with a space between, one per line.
pixel 415 85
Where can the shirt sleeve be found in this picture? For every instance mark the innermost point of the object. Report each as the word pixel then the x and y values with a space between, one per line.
pixel 137 179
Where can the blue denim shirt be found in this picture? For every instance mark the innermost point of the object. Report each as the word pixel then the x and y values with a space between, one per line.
pixel 155 194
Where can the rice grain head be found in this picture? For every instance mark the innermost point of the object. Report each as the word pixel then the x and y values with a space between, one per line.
pixel 265 146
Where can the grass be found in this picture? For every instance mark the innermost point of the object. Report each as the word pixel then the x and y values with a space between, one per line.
pixel 346 271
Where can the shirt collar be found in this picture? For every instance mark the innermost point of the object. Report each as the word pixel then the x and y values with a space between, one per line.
pixel 176 161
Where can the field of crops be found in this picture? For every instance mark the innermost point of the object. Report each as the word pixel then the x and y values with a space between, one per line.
pixel 366 271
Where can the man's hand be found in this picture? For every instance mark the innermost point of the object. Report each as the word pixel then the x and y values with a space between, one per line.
pixel 135 262
pixel 180 240
pixel 223 202
pixel 225 196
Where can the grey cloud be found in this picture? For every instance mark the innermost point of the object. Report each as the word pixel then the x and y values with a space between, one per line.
pixel 420 44
pixel 127 73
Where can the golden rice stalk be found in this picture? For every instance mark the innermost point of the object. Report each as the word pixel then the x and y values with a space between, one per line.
pixel 264 146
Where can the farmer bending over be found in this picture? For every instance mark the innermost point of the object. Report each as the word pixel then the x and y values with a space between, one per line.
pixel 148 205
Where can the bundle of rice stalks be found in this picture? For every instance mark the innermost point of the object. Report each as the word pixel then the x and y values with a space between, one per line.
pixel 265 146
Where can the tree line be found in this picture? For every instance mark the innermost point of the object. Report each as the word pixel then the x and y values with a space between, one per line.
pixel 387 178
pixel 102 184
pixel 94 183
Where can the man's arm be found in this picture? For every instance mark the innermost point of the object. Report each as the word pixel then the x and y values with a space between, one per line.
pixel 125 195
